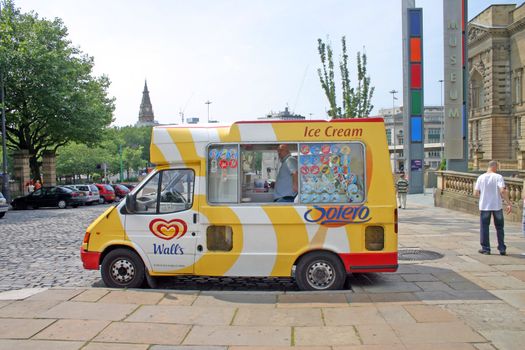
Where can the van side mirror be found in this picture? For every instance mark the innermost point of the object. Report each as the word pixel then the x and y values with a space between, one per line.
pixel 130 203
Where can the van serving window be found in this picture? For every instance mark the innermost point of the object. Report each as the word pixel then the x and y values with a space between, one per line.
pixel 332 172
pixel 223 161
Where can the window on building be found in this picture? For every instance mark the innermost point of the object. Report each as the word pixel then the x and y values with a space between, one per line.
pixel 433 135
pixel 517 127
pixel 518 89
pixel 389 136
pixel 477 90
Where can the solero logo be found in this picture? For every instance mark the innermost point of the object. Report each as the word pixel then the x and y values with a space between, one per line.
pixel 338 216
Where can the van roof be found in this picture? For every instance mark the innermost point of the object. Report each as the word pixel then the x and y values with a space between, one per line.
pixel 187 144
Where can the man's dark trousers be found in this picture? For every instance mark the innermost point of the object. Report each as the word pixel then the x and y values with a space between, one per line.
pixel 485 223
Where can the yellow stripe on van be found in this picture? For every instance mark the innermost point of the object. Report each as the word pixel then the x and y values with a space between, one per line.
pixel 156 154
pixel 231 134
pixel 183 139
pixel 218 263
pixel 290 237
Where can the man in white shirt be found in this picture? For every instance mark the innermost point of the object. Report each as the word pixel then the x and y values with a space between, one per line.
pixel 490 188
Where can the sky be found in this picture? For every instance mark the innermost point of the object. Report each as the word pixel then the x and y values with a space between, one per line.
pixel 249 58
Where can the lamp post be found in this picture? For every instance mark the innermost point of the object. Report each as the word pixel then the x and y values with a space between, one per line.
pixel 394 92
pixel 442 136
pixel 208 103
pixel 121 168
pixel 5 175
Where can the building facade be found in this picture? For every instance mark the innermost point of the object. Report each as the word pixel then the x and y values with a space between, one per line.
pixel 496 57
pixel 283 115
pixel 433 135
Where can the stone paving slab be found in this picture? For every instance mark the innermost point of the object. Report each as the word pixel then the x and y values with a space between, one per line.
pixel 72 330
pixel 239 335
pixel 313 299
pixel 132 297
pixel 8 344
pixel 179 298
pixel 18 328
pixel 278 317
pixel 115 346
pixel 190 315
pixel 143 333
pixel 89 311
pixel 27 308
pixel 436 332
pixel 353 316
pixel 330 335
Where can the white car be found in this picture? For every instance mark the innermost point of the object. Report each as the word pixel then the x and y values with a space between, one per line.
pixel 90 191
pixel 3 205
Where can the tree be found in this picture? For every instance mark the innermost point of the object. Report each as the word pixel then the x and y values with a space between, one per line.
pixel 52 97
pixel 356 100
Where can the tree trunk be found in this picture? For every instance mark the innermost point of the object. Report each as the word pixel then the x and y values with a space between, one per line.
pixel 34 164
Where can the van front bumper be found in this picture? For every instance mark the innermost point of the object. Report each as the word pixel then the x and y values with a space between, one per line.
pixel 90 260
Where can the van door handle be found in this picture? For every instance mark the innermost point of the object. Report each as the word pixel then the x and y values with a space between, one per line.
pixel 195 217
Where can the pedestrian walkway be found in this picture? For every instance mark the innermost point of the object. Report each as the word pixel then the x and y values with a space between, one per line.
pixel 463 300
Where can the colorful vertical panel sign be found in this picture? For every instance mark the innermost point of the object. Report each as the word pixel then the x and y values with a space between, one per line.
pixel 415 71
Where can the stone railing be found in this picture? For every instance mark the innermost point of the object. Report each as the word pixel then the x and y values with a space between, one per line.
pixel 455 191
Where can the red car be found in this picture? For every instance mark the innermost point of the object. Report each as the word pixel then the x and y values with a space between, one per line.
pixel 107 193
pixel 120 190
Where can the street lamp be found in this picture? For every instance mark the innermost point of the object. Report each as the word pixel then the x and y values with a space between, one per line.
pixel 394 92
pixel 208 103
pixel 5 175
pixel 442 136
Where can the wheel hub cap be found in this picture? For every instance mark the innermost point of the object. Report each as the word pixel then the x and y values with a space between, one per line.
pixel 320 275
pixel 122 271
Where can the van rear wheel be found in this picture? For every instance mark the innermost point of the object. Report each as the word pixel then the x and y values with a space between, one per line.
pixel 122 268
pixel 320 271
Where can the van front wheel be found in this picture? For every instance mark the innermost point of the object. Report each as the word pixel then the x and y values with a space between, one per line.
pixel 122 268
pixel 320 271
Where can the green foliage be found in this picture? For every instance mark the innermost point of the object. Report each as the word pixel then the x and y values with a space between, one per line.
pixel 356 101
pixel 443 165
pixel 79 159
pixel 52 97
pixel 96 177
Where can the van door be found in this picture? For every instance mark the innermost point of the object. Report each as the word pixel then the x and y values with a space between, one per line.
pixel 163 224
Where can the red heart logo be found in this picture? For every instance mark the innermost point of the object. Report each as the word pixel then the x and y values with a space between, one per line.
pixel 168 229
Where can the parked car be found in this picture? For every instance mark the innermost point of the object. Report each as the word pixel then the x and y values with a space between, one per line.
pixel 49 196
pixel 120 190
pixel 129 186
pixel 90 191
pixel 107 193
pixel 82 198
pixel 3 205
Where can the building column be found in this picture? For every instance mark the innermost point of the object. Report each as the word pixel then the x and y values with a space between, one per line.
pixel 478 156
pixel 49 168
pixel 21 170
pixel 520 156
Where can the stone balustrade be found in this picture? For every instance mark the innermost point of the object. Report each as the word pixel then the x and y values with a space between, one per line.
pixel 455 191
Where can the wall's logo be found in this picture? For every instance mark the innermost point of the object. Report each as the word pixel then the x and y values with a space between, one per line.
pixel 168 229
pixel 338 216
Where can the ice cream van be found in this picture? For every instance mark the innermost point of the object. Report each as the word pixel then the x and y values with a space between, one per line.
pixel 211 206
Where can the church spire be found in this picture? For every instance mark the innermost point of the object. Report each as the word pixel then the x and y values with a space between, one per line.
pixel 146 116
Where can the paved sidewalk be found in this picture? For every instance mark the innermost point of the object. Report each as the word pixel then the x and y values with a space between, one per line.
pixel 462 301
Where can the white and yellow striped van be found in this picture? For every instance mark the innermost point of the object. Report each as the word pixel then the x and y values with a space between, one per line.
pixel 209 207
